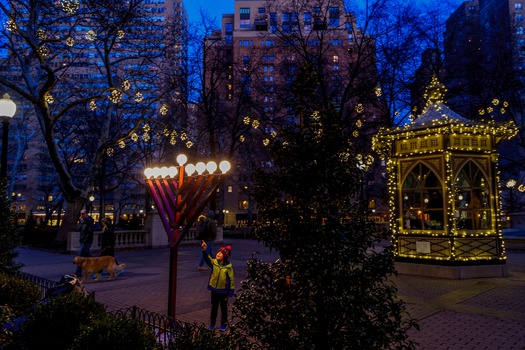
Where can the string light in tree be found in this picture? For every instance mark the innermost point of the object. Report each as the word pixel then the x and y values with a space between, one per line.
pixel 11 25
pixel 115 95
pixel 41 34
pixel 70 6
pixel 43 51
pixel 91 35
pixel 49 98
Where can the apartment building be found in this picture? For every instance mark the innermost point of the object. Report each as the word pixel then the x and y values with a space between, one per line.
pixel 254 60
pixel 157 40
pixel 484 66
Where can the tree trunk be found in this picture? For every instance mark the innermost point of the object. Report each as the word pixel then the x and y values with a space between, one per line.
pixel 69 224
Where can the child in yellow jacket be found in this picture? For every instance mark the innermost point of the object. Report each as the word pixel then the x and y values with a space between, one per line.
pixel 221 283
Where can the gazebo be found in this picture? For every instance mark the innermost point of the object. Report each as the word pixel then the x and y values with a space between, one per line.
pixel 444 192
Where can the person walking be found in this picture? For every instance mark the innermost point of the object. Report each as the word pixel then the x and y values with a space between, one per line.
pixel 207 233
pixel 87 229
pixel 107 243
pixel 107 238
pixel 221 283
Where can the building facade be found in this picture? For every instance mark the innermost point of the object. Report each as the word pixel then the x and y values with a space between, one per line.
pixel 145 57
pixel 253 64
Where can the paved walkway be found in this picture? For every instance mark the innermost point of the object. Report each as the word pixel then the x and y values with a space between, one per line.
pixel 484 313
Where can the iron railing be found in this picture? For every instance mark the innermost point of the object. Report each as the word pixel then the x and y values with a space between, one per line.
pixel 43 284
pixel 164 327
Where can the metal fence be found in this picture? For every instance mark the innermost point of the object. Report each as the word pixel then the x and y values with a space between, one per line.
pixel 43 284
pixel 163 326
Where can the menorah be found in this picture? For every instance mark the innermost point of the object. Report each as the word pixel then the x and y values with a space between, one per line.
pixel 180 195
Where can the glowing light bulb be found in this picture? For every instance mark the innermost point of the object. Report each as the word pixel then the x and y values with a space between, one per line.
pixel 172 171
pixel 211 167
pixel 164 171
pixel 225 166
pixel 190 169
pixel 182 159
pixel 200 167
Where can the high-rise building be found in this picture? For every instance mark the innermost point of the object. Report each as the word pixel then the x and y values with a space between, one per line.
pixel 146 57
pixel 252 65
pixel 484 58
pixel 484 64
pixel 463 60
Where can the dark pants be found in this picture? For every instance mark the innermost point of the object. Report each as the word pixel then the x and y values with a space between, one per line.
pixel 84 252
pixel 216 300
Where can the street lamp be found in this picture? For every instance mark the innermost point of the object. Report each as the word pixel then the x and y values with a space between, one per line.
pixel 7 111
pixel 91 200
pixel 511 183
pixel 180 194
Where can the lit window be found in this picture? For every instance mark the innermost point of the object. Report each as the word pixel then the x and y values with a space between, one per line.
pixel 422 196
pixel 471 199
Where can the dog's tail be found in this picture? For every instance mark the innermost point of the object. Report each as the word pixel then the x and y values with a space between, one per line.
pixel 121 266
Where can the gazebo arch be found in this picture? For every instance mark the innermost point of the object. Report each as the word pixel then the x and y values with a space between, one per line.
pixel 473 208
pixel 422 198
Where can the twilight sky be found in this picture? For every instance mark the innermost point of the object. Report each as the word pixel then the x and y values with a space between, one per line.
pixel 215 8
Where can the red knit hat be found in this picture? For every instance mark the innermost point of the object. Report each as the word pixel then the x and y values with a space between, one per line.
pixel 226 251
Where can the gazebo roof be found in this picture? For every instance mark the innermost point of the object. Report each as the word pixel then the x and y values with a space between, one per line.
pixel 437 114
pixel 437 118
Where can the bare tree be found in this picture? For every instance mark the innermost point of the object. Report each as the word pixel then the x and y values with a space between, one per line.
pixel 94 74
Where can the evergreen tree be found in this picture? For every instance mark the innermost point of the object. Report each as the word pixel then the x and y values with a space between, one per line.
pixel 9 236
pixel 330 289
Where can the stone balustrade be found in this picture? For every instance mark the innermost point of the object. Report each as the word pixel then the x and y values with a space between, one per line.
pixel 131 239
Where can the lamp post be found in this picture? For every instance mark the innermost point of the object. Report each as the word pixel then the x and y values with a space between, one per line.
pixel 180 194
pixel 91 200
pixel 511 183
pixel 7 111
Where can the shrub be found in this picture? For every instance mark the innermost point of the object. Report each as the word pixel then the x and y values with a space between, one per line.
pixel 116 333
pixel 18 293
pixel 9 235
pixel 194 336
pixel 56 324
